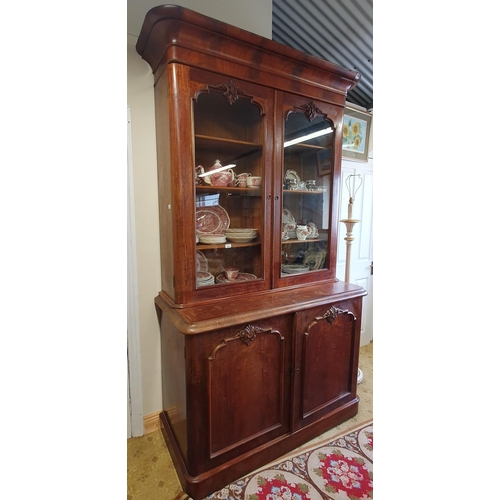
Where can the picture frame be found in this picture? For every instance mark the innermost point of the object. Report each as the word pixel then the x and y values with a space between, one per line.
pixel 324 161
pixel 356 129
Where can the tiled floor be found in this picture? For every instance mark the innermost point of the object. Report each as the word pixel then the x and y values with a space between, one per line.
pixel 150 471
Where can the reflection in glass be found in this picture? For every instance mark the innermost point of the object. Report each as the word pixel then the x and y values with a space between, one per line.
pixel 306 194
pixel 229 222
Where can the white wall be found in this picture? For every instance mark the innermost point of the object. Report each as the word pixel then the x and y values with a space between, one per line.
pixel 250 15
pixel 254 16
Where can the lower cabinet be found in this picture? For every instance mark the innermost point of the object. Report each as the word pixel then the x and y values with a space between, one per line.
pixel 326 360
pixel 239 396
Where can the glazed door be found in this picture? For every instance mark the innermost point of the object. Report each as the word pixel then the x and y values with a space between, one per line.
pixel 232 151
pixel 306 191
pixel 239 391
pixel 326 360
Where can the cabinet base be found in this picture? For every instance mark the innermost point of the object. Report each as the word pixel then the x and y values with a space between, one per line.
pixel 198 487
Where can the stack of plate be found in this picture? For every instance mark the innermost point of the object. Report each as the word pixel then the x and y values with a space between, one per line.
pixel 294 269
pixel 212 239
pixel 204 278
pixel 241 234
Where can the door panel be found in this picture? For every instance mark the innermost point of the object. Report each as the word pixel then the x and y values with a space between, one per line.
pixel 247 389
pixel 305 204
pixel 326 363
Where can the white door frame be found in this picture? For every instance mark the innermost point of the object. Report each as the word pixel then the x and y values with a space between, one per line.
pixel 360 260
pixel 134 396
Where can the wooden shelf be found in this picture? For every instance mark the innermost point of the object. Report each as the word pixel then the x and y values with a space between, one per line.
pixel 227 189
pixel 239 149
pixel 308 240
pixel 204 246
pixel 303 191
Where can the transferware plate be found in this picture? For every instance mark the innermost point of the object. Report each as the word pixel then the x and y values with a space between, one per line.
pixel 211 220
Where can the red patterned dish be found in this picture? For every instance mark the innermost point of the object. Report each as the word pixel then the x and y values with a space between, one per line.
pixel 201 262
pixel 241 277
pixel 211 220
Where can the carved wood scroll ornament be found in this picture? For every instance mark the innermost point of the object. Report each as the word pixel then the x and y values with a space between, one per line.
pixel 231 91
pixel 311 110
pixel 332 313
pixel 330 317
pixel 247 335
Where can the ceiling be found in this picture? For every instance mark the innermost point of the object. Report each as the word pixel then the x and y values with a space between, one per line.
pixel 339 31
pixel 334 30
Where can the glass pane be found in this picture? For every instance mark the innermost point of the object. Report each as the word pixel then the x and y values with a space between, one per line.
pixel 229 204
pixel 306 194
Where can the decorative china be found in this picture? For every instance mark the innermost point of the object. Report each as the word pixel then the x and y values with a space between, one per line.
pixel 292 180
pixel 292 175
pixel 237 230
pixel 241 180
pixel 241 277
pixel 211 220
pixel 204 278
pixel 231 273
pixel 315 259
pixel 288 220
pixel 201 262
pixel 212 239
pixel 254 181
pixel 313 230
pixel 294 269
pixel 302 232
pixel 241 235
pixel 219 177
pixel 241 239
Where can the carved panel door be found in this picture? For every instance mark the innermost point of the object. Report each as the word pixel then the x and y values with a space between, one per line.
pixel 326 360
pixel 239 391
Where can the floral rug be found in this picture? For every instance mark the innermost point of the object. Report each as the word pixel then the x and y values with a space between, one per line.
pixel 339 469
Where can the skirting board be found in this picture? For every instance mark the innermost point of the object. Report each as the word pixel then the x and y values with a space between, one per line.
pixel 151 422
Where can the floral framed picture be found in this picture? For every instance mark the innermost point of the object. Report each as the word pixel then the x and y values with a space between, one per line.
pixel 356 134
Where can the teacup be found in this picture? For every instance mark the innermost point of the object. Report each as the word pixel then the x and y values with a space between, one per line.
pixel 241 180
pixel 311 185
pixel 231 273
pixel 254 181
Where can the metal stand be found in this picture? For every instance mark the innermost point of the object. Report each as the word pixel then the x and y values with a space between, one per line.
pixel 350 222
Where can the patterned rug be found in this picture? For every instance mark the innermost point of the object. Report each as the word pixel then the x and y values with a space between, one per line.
pixel 340 468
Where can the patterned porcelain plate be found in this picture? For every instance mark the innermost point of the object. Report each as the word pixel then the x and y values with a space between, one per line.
pixel 313 230
pixel 211 220
pixel 203 276
pixel 291 174
pixel 288 220
pixel 201 262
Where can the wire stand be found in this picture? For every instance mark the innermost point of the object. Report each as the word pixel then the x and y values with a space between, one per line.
pixel 350 223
